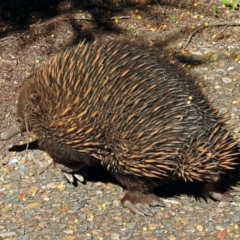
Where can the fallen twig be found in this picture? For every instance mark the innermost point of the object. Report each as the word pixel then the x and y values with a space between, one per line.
pixel 210 25
pixel 6 99
pixel 94 19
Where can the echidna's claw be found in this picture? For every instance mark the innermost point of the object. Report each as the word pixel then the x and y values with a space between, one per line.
pixel 71 174
pixel 146 208
pixel 71 177
pixel 235 189
pixel 79 177
pixel 139 208
pixel 226 197
pixel 134 208
pixel 143 203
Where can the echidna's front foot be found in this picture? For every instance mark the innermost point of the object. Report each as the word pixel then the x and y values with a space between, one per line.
pixel 141 203
pixel 71 174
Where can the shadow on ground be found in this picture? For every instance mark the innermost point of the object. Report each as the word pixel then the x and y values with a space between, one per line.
pixel 167 190
pixel 18 16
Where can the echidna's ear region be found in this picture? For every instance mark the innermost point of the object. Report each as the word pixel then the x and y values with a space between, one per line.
pixel 117 105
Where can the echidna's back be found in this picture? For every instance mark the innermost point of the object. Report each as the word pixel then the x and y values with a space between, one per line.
pixel 111 99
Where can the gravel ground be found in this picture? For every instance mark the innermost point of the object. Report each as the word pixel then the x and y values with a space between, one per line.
pixel 36 201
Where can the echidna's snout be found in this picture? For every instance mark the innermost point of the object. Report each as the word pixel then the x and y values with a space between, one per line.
pixel 10 132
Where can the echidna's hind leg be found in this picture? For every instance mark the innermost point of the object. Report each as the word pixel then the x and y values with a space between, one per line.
pixel 141 203
pixel 214 191
pixel 139 197
pixel 223 187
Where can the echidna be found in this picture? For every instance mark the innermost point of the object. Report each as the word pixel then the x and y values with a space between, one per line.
pixel 115 104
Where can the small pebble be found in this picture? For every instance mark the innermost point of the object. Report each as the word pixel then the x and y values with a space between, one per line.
pixel 219 35
pixel 199 228
pixel 114 236
pixel 221 235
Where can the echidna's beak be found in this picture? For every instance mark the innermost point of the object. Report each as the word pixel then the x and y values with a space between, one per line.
pixel 9 133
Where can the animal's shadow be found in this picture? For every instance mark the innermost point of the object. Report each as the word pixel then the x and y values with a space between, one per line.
pixel 169 189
